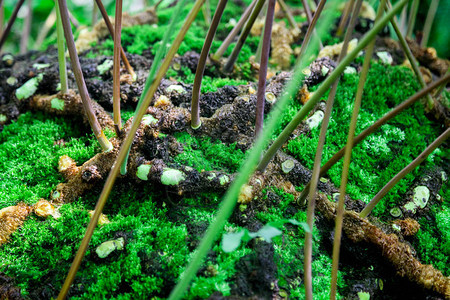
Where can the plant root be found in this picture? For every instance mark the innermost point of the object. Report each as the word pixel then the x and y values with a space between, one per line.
pixel 399 254
pixel 11 218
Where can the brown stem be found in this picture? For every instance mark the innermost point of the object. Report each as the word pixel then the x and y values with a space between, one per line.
pixel 429 22
pixel 260 96
pixel 289 15
pixel 116 67
pixel 244 34
pixel 380 122
pixel 111 32
pixel 311 28
pixel 369 207
pixel 10 23
pixel 226 43
pixel 348 8
pixel 195 107
pixel 76 68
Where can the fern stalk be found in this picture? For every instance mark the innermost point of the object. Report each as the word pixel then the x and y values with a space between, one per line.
pixel 195 108
pixel 61 51
pixel 116 67
pixel 429 22
pixel 12 19
pixel 124 148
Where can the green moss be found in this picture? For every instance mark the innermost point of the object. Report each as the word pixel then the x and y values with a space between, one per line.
pixel 377 159
pixel 204 154
pixel 29 156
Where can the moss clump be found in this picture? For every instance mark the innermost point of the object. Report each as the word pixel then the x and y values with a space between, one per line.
pixel 377 159
pixel 29 155
pixel 205 154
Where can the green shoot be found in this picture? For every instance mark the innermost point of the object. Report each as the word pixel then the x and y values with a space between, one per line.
pixel 61 51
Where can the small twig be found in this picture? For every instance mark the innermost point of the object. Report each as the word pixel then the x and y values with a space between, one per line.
pixel 412 17
pixel 26 28
pixel 428 22
pixel 369 207
pixel 76 67
pixel 260 96
pixel 226 43
pixel 12 19
pixel 244 34
pixel 61 51
pixel 111 32
pixel 116 68
pixel 375 126
pixel 195 108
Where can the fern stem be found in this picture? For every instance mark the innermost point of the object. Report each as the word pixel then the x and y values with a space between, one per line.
pixel 429 22
pixel 61 51
pixel 12 19
pixel 412 18
pixel 116 67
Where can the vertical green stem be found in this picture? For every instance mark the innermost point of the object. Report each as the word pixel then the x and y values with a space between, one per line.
pixel 195 107
pixel 226 43
pixel 61 51
pixel 417 161
pixel 347 158
pixel 116 67
pixel 124 149
pixel 244 34
pixel 94 13
pixel 429 22
pixel 412 17
pixel 103 141
pixel 260 96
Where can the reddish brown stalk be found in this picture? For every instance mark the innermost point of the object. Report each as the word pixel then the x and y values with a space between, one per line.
pixel 347 9
pixel 195 108
pixel 318 159
pixel 116 68
pixel 260 96
pixel 311 27
pixel 226 43
pixel 244 34
pixel 76 68
pixel 369 207
pixel 380 122
pixel 111 32
pixel 10 23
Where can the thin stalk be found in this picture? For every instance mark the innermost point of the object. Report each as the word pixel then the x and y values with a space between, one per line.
pixel 226 43
pixel 419 159
pixel 402 19
pixel 318 158
pixel 116 67
pixel 298 118
pixel 248 167
pixel 347 158
pixel 111 32
pixel 12 19
pixel 289 15
pixel 441 88
pixel 124 148
pixel 206 10
pixel 26 28
pixel 94 13
pixel 428 22
pixel 307 11
pixel 347 9
pixel 375 126
pixel 61 51
pixel 2 17
pixel 412 17
pixel 48 24
pixel 244 34
pixel 260 96
pixel 311 27
pixel 411 58
pixel 195 107
pixel 261 37
pixel 96 128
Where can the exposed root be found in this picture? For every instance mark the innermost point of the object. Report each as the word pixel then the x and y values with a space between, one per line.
pixel 428 58
pixel 11 218
pixel 399 254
